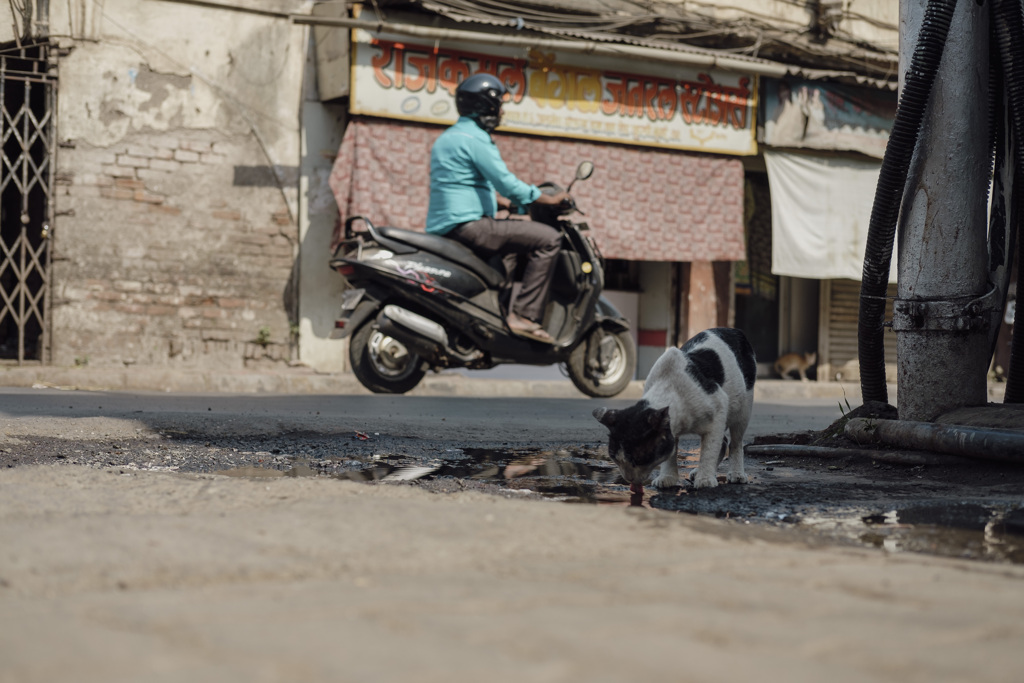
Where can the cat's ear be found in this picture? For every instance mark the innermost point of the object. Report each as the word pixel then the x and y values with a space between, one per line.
pixel 605 416
pixel 658 419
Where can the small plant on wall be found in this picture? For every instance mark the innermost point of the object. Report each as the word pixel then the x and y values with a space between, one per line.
pixel 263 337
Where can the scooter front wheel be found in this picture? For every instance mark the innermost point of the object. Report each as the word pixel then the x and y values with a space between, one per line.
pixel 381 363
pixel 604 363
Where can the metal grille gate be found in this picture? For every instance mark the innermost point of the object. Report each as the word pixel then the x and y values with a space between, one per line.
pixel 28 92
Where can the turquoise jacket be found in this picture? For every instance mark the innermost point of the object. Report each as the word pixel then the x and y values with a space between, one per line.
pixel 465 171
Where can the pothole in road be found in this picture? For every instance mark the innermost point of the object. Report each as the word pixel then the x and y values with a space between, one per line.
pixel 561 475
pixel 884 515
pixel 973 511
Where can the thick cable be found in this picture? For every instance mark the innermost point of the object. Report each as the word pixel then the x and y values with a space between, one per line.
pixel 1008 27
pixel 913 103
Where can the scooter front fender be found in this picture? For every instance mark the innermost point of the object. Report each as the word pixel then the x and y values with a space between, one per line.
pixel 608 317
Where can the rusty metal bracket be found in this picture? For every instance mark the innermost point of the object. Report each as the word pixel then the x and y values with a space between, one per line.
pixel 964 315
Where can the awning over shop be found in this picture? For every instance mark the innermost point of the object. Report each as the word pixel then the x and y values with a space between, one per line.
pixel 642 204
pixel 801 114
pixel 820 213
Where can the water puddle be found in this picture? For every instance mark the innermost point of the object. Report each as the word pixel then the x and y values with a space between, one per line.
pixel 562 475
pixel 968 530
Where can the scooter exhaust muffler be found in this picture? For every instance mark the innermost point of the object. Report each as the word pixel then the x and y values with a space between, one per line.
pixel 411 322
pixel 422 335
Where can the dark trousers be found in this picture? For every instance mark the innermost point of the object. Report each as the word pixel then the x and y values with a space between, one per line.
pixel 537 242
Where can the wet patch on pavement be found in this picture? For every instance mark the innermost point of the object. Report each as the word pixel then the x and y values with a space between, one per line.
pixel 965 530
pixel 573 476
pixel 974 510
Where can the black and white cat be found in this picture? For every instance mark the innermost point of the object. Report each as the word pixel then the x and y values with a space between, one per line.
pixel 706 388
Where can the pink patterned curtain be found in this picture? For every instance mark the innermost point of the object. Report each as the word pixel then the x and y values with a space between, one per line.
pixel 642 204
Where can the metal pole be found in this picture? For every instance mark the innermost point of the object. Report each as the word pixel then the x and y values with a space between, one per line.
pixel 942 349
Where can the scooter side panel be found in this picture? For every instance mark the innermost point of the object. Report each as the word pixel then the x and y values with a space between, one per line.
pixel 428 273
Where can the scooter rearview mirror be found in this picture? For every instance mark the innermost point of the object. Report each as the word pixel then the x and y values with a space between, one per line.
pixel 583 171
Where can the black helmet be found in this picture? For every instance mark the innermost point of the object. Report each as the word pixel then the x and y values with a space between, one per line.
pixel 479 97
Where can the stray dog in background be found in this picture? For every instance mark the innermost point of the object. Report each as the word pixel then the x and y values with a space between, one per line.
pixel 706 388
pixel 795 361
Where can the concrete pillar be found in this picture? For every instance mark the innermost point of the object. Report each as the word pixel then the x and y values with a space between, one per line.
pixel 655 308
pixel 703 302
pixel 942 258
pixel 319 287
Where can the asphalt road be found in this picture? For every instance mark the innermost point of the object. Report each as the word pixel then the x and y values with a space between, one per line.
pixel 472 421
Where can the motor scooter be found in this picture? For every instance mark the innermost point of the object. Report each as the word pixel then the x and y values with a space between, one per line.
pixel 419 302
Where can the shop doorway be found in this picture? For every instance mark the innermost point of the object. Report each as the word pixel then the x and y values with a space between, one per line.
pixel 27 159
pixel 757 289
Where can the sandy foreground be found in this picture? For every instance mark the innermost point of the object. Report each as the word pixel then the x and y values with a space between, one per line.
pixel 120 575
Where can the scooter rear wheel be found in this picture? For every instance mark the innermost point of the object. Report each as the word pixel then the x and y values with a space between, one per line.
pixel 602 375
pixel 381 363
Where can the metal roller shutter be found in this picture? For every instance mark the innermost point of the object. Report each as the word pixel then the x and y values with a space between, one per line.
pixel 837 341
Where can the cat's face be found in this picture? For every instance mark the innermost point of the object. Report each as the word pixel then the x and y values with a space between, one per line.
pixel 639 439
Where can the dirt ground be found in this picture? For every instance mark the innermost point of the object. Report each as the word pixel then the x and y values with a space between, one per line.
pixel 126 556
pixel 111 576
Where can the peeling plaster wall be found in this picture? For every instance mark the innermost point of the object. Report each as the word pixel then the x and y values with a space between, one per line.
pixel 178 184
pixel 6 23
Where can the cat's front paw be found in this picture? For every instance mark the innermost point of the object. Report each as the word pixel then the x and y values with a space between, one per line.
pixel 662 481
pixel 704 481
pixel 737 478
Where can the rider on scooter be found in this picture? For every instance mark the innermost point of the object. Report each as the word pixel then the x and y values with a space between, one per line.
pixel 469 182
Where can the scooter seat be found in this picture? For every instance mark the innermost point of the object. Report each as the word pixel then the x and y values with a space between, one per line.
pixel 448 248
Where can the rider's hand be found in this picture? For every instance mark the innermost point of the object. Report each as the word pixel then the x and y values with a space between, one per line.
pixel 559 198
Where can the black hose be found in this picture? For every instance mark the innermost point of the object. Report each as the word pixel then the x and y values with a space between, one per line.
pixel 1008 27
pixel 1001 231
pixel 892 180
pixel 1015 372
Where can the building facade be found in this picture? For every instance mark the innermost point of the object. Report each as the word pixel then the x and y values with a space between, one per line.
pixel 192 160
pixel 171 221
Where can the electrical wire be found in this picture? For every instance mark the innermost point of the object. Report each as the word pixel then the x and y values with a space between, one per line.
pixel 695 22
pixel 24 9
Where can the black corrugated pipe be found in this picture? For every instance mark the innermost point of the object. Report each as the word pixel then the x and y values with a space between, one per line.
pixel 917 88
pixel 1008 27
pixel 1002 220
pixel 1015 377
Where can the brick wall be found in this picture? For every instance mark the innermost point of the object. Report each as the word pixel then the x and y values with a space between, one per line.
pixel 171 249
